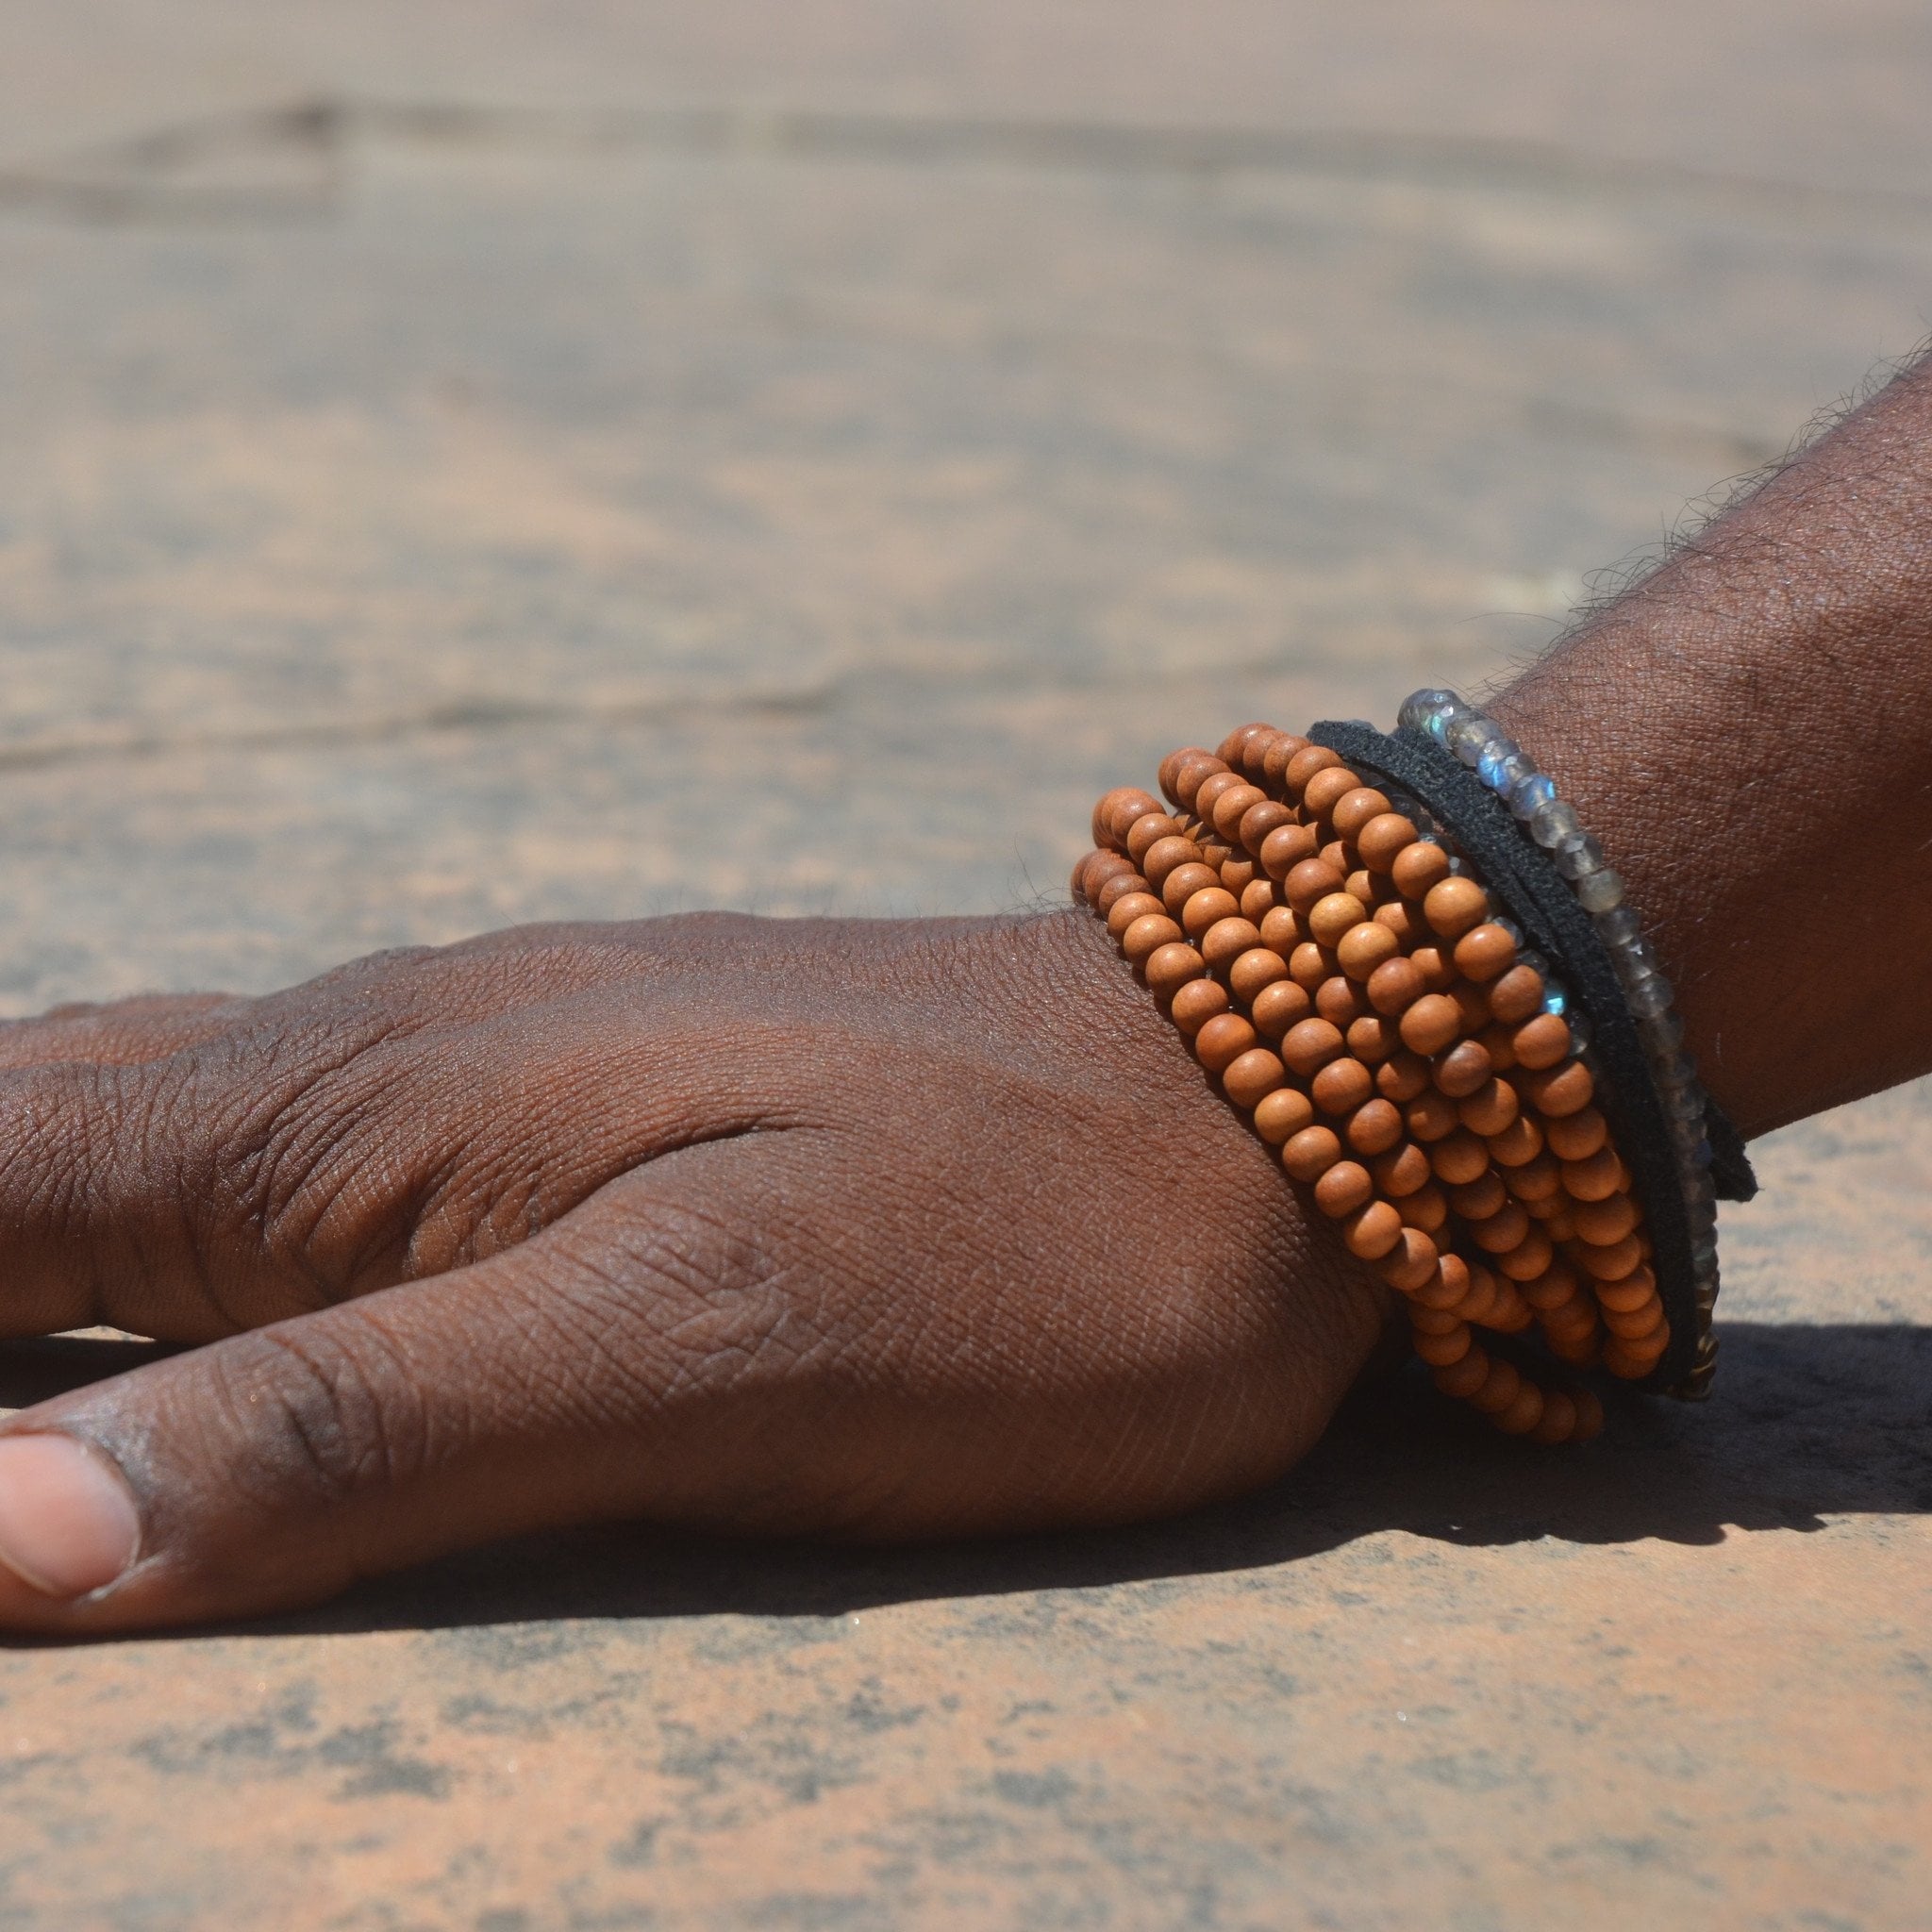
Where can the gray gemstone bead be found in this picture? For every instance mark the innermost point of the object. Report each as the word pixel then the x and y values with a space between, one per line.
pixel 1579 1032
pixel 1674 1069
pixel 1649 996
pixel 1577 854
pixel 1660 1032
pixel 1420 707
pixel 1468 737
pixel 1600 891
pixel 1636 960
pixel 1703 1252
pixel 1550 822
pixel 1619 927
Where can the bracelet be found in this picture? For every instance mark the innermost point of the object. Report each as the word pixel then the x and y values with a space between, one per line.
pixel 1421 1075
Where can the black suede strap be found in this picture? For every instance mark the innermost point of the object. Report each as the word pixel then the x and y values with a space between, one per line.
pixel 1537 898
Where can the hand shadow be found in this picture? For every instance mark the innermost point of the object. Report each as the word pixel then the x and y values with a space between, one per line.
pixel 1810 1421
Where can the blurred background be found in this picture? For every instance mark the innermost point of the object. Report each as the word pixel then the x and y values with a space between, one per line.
pixel 474 462
pixel 464 463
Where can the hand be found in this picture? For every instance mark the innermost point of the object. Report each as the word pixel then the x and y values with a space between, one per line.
pixel 875 1229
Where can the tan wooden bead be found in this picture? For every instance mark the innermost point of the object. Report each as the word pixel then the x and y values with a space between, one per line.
pixel 1431 1116
pixel 1577 1136
pixel 1542 1043
pixel 1232 749
pixel 1442 1351
pixel 1184 881
pixel 1164 855
pixel 1095 870
pixel 1447 1285
pixel 1222 1040
pixel 1394 986
pixel 1373 1039
pixel 1213 788
pixel 1310 1152
pixel 1254 970
pixel 1610 1263
pixel 1227 940
pixel 1342 1086
pixel 1597 1177
pixel 1499 1042
pixel 1148 830
pixel 1404 920
pixel 1631 1325
pixel 1311 882
pixel 1124 912
pixel 1424 1320
pixel 1590 1416
pixel 1365 948
pixel 1530 1259
pixel 1205 906
pixel 1491 1108
pixel 1462 1070
pixel 1559 1091
pixel 1354 810
pixel 1169 968
pixel 1483 952
pixel 1524 1414
pixel 1635 1290
pixel 1197 1003
pixel 1337 1000
pixel 1384 838
pixel 1275 761
pixel 1430 1023
pixel 1411 1262
pixel 1558 1420
pixel 1269 815
pixel 1184 770
pixel 1539 1178
pixel 1459 1156
pixel 1147 934
pixel 1553 1287
pixel 1171 763
pixel 1478 1199
pixel 1402 1076
pixel 1360 884
pixel 1572 1322
pixel 1452 906
pixel 1339 854
pixel 1374 1128
pixel 1111 806
pixel 1418 869
pixel 1278 1006
pixel 1501 1231
pixel 1498 1389
pixel 1515 995
pixel 1425 1209
pixel 1238 874
pixel 1402 1171
pixel 1232 806
pixel 1461 1379
pixel 1304 766
pixel 1310 1045
pixel 1257 900
pixel 1334 916
pixel 1471 1006
pixel 1602 1223
pixel 1518 1144
pixel 1372 1231
pixel 1281 931
pixel 1344 1188
pixel 1557 1227
pixel 1630 1361
pixel 1252 1077
pixel 1322 792
pixel 1281 1115
pixel 1436 967
pixel 1286 848
pixel 1121 886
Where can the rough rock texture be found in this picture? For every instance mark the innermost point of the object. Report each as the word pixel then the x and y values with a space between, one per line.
pixel 445 450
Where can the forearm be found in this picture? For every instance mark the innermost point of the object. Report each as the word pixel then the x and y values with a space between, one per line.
pixel 1749 732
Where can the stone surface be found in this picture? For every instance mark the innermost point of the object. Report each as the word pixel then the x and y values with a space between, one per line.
pixel 443 449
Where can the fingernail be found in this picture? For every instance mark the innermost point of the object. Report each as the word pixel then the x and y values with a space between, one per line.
pixel 67 1522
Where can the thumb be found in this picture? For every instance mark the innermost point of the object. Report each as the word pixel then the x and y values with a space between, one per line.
pixel 594 1371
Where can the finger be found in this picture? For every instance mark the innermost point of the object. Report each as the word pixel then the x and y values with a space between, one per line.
pixel 119 1032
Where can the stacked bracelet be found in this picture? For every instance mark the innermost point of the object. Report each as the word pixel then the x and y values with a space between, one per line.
pixel 1357 990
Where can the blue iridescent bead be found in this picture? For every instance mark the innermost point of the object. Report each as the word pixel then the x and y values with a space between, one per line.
pixel 1555 1001
pixel 1421 709
pixel 1491 767
pixel 1469 736
pixel 1527 795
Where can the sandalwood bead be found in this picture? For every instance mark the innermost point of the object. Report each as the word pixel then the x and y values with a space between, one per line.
pixel 1590 1416
pixel 1595 1178
pixel 1558 1420
pixel 1384 838
pixel 1402 920
pixel 1430 1023
pixel 1425 1320
pixel 1355 808
pixel 1281 1115
pixel 1626 1361
pixel 1227 940
pixel 1629 1326
pixel 1560 1089
pixel 1373 1039
pixel 1609 1263
pixel 1164 855
pixel 1372 1231
pixel 1344 1188
pixel 1197 1003
pixel 1516 994
pixel 1394 986
pixel 1233 805
pixel 1274 762
pixel 1524 1414
pixel 1184 881
pixel 1309 965
pixel 1308 1154
pixel 1111 805
pixel 1500 1044
pixel 1490 1108
pixel 1342 1086
pixel 1557 1226
pixel 1095 870
pixel 1461 1379
pixel 1261 819
pixel 1281 931
pixel 1577 1136
pixel 1365 948
pixel 1169 968
pixel 1470 1007
pixel 1205 906
pixel 1238 874
pixel 1425 1209
pixel 1124 912
pixel 1121 886
pixel 1483 952
pixel 1601 1223
pixel 1222 1040
pixel 1190 769
pixel 1538 1178
pixel 1309 883
pixel 1147 934
pixel 1501 1231
pixel 1286 848
pixel 1452 906
pixel 1213 788
pixel 1411 1262
pixel 1326 789
pixel 1442 1351
pixel 1258 901
pixel 1459 1158
pixel 1437 969
pixel 1431 1116
pixel 1374 1128
pixel 1462 1070
pixel 1418 869
pixel 1637 1289
pixel 1402 1076
pixel 1334 915
pixel 1530 1259
pixel 1447 1285
pixel 1254 970
pixel 1310 1045
pixel 1148 830
pixel 1402 1171
pixel 1360 884
pixel 1170 765
pixel 1304 766
pixel 1232 750
pixel 1278 1006
pixel 1498 1389
pixel 1252 1077
pixel 1478 1199
pixel 1552 1288
pixel 1337 1000
pixel 1542 1043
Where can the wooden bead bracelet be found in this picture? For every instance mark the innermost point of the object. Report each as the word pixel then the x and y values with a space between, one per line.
pixel 1344 978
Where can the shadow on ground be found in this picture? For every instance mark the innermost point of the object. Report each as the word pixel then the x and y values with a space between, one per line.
pixel 1811 1421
